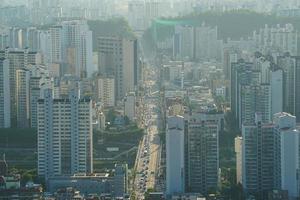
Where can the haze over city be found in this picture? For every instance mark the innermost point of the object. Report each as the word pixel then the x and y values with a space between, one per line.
pixel 150 99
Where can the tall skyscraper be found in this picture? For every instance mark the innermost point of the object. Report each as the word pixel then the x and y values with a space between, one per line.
pixel 4 40
pixel 197 42
pixel 285 126
pixel 118 57
pixel 136 13
pixel 291 83
pixel 56 44
pixel 64 135
pixel 4 94
pixel 23 98
pixel 261 157
pixel 17 59
pixel 253 99
pixel 270 156
pixel 242 73
pixel 229 57
pixel 175 158
pixel 184 42
pixel 106 91
pixel 276 84
pixel 256 87
pixel 280 39
pixel 77 44
pixel 39 80
pixel 207 45
pixel 203 152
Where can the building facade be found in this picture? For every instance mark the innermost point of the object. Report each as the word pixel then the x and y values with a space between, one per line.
pixel 261 157
pixel 23 98
pixel 106 91
pixel 285 126
pixel 64 135
pixel 203 153
pixel 118 58
pixel 5 108
pixel 175 158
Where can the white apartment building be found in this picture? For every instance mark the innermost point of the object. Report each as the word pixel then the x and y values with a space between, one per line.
pixel 18 58
pixel 197 42
pixel 64 135
pixel 175 158
pixel 106 91
pixel 285 126
pixel 277 39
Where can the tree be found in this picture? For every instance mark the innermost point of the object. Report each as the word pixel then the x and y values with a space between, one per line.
pixel 150 190
pixel 110 116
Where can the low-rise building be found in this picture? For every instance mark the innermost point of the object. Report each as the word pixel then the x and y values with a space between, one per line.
pixel 86 184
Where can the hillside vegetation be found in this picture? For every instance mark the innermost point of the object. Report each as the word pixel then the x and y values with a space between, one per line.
pixel 111 27
pixel 233 24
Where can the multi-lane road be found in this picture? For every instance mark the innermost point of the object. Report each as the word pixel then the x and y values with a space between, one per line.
pixel 148 157
pixel 148 154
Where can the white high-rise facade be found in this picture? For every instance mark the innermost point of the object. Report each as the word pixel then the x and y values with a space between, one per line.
pixel 4 94
pixel 18 59
pixel 175 176
pixel 64 135
pixel 106 91
pixel 277 38
pixel 285 125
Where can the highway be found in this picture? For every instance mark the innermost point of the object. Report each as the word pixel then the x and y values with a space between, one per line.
pixel 148 157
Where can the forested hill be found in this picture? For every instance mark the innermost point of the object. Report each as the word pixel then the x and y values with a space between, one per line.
pixel 111 27
pixel 233 24
pixel 239 23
